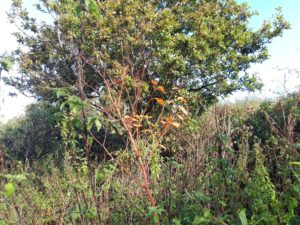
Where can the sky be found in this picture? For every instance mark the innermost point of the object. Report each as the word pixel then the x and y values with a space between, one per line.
pixel 284 51
pixel 9 107
pixel 284 54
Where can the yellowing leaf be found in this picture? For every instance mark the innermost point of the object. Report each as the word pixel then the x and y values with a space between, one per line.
pixel 175 124
pixel 169 119
pixel 147 131
pixel 180 117
pixel 183 110
pixel 169 122
pixel 161 89
pixel 182 99
pixel 117 81
pixel 159 101
pixel 134 119
pixel 137 117
pixel 163 147
pixel 154 82
pixel 98 124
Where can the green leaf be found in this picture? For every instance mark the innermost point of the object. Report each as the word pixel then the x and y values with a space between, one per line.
pixel 93 8
pixel 77 123
pixel 294 163
pixel 7 63
pixel 90 140
pixel 206 218
pixel 153 213
pixel 61 92
pixel 78 11
pixel 176 222
pixel 2 222
pixel 242 216
pixel 98 124
pixel 20 177
pixel 75 103
pixel 9 188
pixel 8 176
pixel 84 169
pixel 90 122
pixel 92 213
pixel 200 220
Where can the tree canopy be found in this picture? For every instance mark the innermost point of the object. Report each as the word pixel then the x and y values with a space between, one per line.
pixel 202 47
pixel 32 136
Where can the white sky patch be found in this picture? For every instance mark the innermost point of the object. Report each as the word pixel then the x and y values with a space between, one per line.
pixel 280 75
pixel 9 106
pixel 284 55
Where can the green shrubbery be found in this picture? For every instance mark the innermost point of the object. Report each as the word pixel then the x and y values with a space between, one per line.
pixel 31 137
pixel 229 166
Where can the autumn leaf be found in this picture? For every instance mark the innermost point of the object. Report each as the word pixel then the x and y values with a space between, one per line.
pixel 182 99
pixel 183 110
pixel 175 124
pixel 169 122
pixel 117 81
pixel 135 119
pixel 147 131
pixel 180 117
pixel 169 119
pixel 163 147
pixel 124 71
pixel 154 82
pixel 161 89
pixel 159 101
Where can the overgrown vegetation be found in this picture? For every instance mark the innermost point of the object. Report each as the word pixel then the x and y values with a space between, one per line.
pixel 231 165
pixel 128 131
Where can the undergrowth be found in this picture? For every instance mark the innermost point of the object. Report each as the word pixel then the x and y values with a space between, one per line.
pixel 232 165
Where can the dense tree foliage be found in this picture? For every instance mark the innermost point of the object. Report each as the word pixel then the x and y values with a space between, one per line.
pixel 33 136
pixel 204 47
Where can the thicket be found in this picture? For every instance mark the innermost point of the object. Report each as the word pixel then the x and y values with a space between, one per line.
pixel 129 131
pixel 32 137
pixel 232 165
